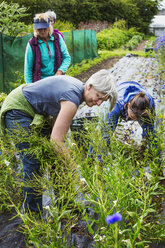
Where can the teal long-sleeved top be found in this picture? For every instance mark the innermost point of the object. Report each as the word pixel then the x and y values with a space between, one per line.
pixel 47 59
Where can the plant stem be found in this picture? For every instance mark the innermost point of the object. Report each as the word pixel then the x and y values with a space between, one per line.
pixel 116 235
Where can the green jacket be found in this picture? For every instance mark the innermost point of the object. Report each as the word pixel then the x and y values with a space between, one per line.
pixel 16 100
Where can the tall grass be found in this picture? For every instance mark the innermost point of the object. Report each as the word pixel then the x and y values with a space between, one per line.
pixel 92 191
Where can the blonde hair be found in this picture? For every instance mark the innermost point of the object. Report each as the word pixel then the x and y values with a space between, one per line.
pixel 45 17
pixel 104 82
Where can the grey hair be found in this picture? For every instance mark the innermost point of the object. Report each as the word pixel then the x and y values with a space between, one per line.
pixel 45 17
pixel 51 14
pixel 104 82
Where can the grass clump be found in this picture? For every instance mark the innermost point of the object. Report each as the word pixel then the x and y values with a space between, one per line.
pixel 95 189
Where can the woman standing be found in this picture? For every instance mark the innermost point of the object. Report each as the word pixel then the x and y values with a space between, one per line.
pixel 46 52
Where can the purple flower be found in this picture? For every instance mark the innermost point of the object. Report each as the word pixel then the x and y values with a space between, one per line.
pixel 163 87
pixel 111 219
pixel 0 153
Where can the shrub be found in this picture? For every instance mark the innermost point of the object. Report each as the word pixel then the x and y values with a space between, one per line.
pixel 109 39
pixel 10 15
pixel 64 25
pixel 133 42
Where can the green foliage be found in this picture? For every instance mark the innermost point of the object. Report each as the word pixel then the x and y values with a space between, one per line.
pixel 33 7
pixel 2 98
pixel 120 184
pixel 10 15
pixel 9 188
pixel 77 69
pixel 20 80
pixel 64 26
pixel 159 49
pixel 149 47
pixel 133 42
pixel 150 42
pixel 136 13
pixel 109 39
pixel 121 24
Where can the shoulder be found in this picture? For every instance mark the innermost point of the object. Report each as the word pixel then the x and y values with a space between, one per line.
pixel 33 41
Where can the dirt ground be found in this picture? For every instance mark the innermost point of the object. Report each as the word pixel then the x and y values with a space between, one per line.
pixel 106 64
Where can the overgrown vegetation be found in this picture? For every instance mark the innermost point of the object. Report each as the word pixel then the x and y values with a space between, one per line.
pixel 159 48
pixel 115 37
pixel 133 42
pixel 119 184
pixel 137 13
pixel 10 15
pixel 95 189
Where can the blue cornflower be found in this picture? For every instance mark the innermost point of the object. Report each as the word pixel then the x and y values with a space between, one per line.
pixel 0 153
pixel 111 219
pixel 163 87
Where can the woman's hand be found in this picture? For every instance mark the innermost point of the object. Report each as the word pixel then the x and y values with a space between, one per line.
pixel 59 73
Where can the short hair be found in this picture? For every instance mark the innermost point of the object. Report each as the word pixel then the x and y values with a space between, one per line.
pixel 140 105
pixel 45 17
pixel 51 14
pixel 104 82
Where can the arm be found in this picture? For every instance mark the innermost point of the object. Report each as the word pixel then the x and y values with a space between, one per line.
pixel 61 127
pixel 28 64
pixel 66 59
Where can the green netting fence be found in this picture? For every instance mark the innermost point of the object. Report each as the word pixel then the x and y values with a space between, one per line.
pixel 82 44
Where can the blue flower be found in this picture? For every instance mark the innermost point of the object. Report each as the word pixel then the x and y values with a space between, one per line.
pixel 0 153
pixel 163 87
pixel 111 219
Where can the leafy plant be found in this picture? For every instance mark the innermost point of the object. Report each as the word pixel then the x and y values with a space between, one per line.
pixel 120 183
pixel 109 39
pixel 2 98
pixel 133 42
pixel 10 15
pixel 64 26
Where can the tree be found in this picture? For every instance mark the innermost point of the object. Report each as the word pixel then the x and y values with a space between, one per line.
pixel 137 13
pixel 10 15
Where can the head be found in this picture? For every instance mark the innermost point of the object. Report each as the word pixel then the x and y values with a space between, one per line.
pixel 102 87
pixel 138 107
pixel 52 16
pixel 41 26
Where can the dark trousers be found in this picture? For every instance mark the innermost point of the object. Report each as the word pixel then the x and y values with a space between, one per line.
pixel 31 166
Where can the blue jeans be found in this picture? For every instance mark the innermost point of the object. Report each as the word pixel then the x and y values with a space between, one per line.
pixel 31 166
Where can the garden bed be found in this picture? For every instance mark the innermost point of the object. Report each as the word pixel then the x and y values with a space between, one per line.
pixel 127 68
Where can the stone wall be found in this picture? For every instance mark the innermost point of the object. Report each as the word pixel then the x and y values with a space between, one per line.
pixel 94 25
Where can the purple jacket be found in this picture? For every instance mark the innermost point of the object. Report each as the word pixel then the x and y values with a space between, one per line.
pixel 37 56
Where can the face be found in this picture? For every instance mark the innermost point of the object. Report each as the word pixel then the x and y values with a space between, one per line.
pixel 131 115
pixel 43 33
pixel 52 22
pixel 94 97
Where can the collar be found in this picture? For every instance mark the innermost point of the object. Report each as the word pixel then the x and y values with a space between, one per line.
pixel 51 39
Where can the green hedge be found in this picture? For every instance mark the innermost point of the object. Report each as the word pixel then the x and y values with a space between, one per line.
pixel 112 38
